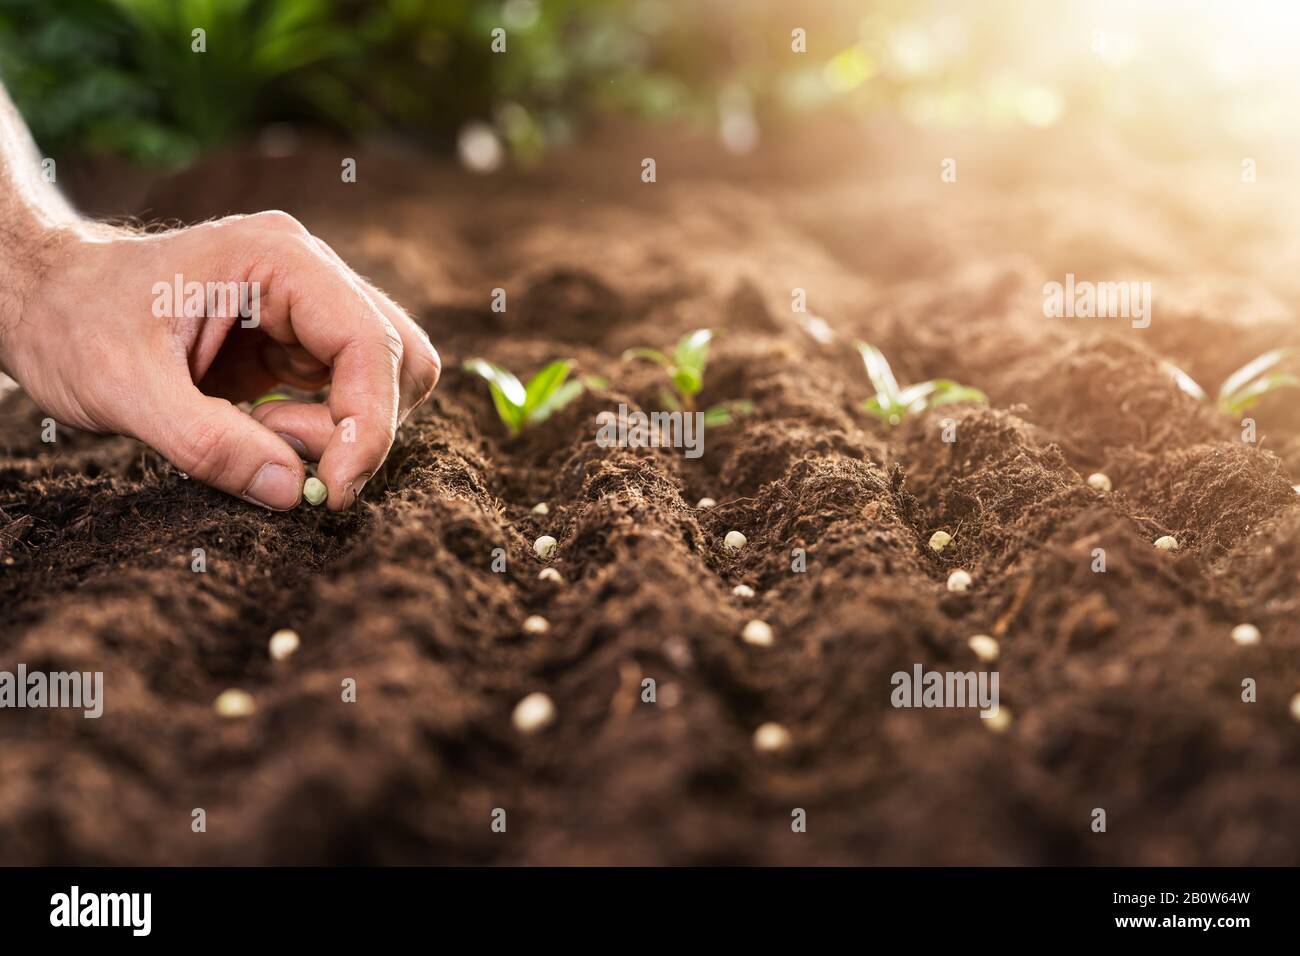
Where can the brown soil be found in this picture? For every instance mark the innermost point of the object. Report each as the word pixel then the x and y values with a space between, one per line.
pixel 1124 686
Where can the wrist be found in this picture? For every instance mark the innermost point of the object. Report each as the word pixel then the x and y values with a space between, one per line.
pixel 30 252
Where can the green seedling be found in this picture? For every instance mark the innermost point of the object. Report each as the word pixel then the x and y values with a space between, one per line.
pixel 522 406
pixel 685 371
pixel 1244 388
pixel 892 404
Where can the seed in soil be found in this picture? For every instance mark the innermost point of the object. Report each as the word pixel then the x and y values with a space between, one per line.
pixel 283 644
pixel 1167 542
pixel 535 712
pixel 705 503
pixel 758 633
pixel 999 722
pixel 771 738
pixel 940 540
pixel 550 574
pixel 1099 482
pixel 743 591
pixel 545 546
pixel 1245 635
pixel 985 647
pixel 235 703
pixel 959 580
pixel 735 540
pixel 314 490
pixel 541 508
pixel 536 624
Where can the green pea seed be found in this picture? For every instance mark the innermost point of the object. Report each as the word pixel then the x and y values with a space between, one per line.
pixel 314 490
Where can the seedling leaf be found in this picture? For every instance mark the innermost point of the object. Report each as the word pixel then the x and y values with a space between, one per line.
pixel 879 373
pixel 555 401
pixel 1184 381
pixel 1245 398
pixel 692 355
pixel 508 393
pixel 542 385
pixel 727 412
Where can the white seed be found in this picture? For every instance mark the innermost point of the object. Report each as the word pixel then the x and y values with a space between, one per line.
pixel 235 703
pixel 545 546
pixel 985 647
pixel 758 633
pixel 533 713
pixel 314 490
pixel 536 624
pixel 999 721
pixel 770 738
pixel 283 644
pixel 550 574
pixel 1099 482
pixel 735 540
pixel 541 508
pixel 1296 489
pixel 940 540
pixel 1295 706
pixel 743 591
pixel 959 580
pixel 1245 634
pixel 1167 543
pixel 705 503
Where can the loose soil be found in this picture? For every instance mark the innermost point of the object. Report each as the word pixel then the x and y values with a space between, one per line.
pixel 1124 686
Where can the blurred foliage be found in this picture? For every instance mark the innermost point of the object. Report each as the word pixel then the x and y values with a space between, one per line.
pixel 120 76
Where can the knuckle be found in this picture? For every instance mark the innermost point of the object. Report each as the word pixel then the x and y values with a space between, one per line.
pixel 278 221
pixel 202 450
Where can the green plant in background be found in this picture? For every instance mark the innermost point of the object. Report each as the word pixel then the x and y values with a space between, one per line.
pixel 1244 388
pixel 892 404
pixel 685 371
pixel 522 406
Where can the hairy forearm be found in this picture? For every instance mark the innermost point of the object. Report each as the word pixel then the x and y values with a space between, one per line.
pixel 34 219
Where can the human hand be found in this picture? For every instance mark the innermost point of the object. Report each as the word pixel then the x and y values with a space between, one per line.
pixel 82 334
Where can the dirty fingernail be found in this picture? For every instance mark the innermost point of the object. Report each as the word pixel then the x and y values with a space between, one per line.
pixel 275 487
pixel 354 487
pixel 295 444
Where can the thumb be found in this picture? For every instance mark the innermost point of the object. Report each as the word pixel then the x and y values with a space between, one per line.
pixel 212 440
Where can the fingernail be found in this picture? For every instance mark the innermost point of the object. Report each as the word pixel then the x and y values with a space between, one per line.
pixel 275 487
pixel 295 444
pixel 355 486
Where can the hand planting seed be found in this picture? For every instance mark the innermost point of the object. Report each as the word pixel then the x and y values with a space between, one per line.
pixel 743 591
pixel 735 540
pixel 1099 482
pixel 550 574
pixel 1244 388
pixel 758 633
pixel 522 406
pixel 541 508
pixel 959 580
pixel 892 404
pixel 234 703
pixel 536 624
pixel 283 644
pixel 705 503
pixel 314 490
pixel 545 546
pixel 1167 542
pixel 1245 635
pixel 535 712
pixel 940 540
pixel 685 371
pixel 985 647
pixel 771 738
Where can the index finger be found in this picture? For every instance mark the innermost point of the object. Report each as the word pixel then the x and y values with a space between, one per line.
pixel 313 302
